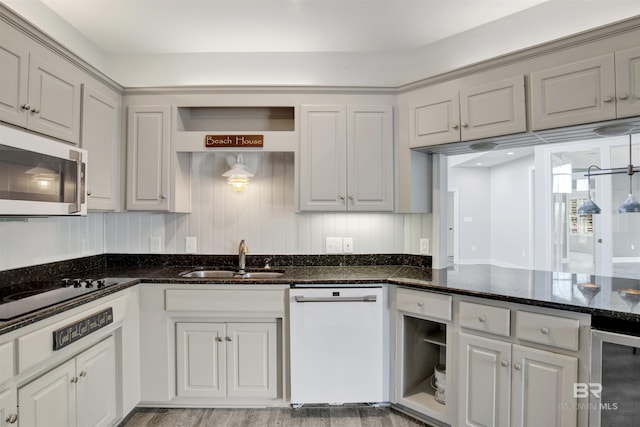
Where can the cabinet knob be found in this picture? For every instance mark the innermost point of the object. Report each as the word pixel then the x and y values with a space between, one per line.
pixel 163 196
pixel 83 373
pixel 89 193
pixel 465 125
pixel 623 96
pixel 504 363
pixel 517 366
pixel 35 110
pixel 607 99
pixel 227 338
pixel 340 197
pixel 12 418
pixel 218 339
pixel 482 319
pixel 351 198
pixel 455 126
pixel 74 380
pixel 545 330
pixel 26 107
pixel 420 303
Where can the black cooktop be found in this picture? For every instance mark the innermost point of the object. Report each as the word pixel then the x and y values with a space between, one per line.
pixel 28 301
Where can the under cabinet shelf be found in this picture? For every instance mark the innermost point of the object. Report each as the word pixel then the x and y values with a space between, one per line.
pixel 436 337
pixel 423 396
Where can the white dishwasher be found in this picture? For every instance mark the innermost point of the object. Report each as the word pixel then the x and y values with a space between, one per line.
pixel 336 344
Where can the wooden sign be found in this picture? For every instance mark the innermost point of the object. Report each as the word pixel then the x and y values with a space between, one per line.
pixel 73 332
pixel 234 141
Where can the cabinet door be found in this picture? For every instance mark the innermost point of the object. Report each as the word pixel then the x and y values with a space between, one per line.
pixel 628 82
pixel 323 158
pixel 54 95
pixel 101 137
pixel 50 400
pixel 370 158
pixel 435 121
pixel 484 381
pixel 14 69
pixel 542 389
pixel 251 360
pixel 96 391
pixel 8 407
pixel 148 158
pixel 576 93
pixel 494 109
pixel 200 359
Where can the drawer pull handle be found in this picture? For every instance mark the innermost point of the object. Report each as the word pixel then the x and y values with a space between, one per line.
pixel 517 366
pixel 482 319
pixel 504 363
pixel 545 330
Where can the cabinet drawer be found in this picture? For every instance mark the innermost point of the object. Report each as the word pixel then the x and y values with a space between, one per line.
pixel 424 303
pixel 550 330
pixel 486 318
pixel 264 301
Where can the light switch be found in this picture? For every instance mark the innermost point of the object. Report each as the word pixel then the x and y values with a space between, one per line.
pixel 347 245
pixel 333 245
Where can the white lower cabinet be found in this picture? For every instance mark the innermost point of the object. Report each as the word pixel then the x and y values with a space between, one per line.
pixel 80 392
pixel 8 407
pixel 226 359
pixel 504 384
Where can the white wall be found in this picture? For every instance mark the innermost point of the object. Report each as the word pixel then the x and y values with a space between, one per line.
pixel 40 240
pixel 511 213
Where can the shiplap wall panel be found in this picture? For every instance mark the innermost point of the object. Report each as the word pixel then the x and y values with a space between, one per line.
pixel 264 215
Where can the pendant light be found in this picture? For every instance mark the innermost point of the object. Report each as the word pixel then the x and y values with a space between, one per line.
pixel 589 207
pixel 238 176
pixel 630 204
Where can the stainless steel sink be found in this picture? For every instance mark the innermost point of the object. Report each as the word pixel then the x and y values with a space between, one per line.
pixel 232 274
pixel 210 274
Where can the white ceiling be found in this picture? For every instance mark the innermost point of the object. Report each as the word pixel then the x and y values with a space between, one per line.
pixel 363 43
pixel 198 26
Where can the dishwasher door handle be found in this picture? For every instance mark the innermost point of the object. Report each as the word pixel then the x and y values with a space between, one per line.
pixel 365 298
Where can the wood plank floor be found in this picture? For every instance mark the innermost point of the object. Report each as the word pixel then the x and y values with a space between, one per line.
pixel 271 417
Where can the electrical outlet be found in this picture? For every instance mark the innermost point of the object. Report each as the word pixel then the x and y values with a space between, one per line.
pixel 155 244
pixel 190 245
pixel 333 245
pixel 347 245
pixel 424 246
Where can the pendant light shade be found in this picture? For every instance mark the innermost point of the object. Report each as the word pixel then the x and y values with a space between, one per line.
pixel 238 176
pixel 629 205
pixel 589 207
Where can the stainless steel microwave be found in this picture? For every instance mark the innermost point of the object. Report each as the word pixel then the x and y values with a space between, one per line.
pixel 40 176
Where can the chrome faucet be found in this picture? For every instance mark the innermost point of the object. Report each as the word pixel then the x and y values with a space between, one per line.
pixel 242 256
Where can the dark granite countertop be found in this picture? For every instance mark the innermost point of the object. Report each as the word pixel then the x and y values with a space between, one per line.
pixel 539 288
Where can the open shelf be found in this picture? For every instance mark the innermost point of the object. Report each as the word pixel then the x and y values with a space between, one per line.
pixel 437 337
pixel 423 396
pixel 236 119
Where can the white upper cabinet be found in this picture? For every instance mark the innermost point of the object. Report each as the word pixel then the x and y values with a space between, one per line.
pixel 580 92
pixel 484 111
pixel 346 155
pixel 101 137
pixel 605 87
pixel 39 90
pixel 628 82
pixel 148 141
